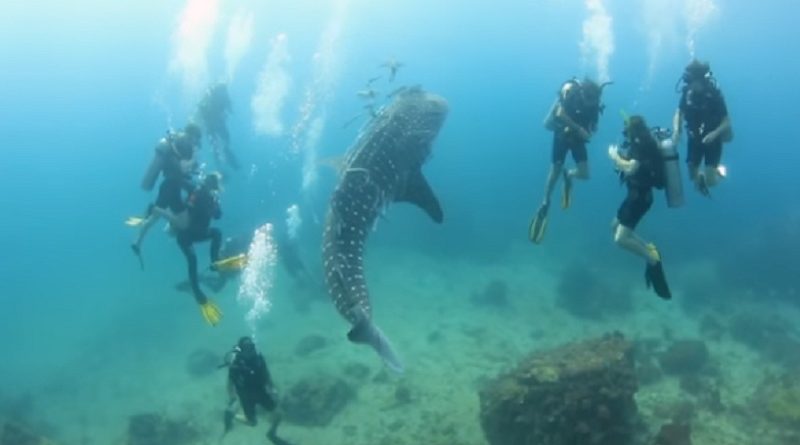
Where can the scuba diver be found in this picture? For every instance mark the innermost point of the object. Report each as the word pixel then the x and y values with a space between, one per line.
pixel 642 168
pixel 708 126
pixel 202 206
pixel 212 113
pixel 250 385
pixel 174 159
pixel 572 119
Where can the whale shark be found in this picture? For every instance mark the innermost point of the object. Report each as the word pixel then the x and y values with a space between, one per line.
pixel 382 167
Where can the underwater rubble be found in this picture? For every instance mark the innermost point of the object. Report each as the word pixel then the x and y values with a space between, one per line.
pixel 155 429
pixel 12 433
pixel 580 393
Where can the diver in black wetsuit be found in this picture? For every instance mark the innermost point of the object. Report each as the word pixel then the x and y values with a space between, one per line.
pixel 572 119
pixel 708 126
pixel 202 207
pixel 249 380
pixel 641 169
pixel 250 384
pixel 174 159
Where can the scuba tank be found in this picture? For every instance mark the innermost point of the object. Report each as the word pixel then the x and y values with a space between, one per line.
pixel 157 164
pixel 673 186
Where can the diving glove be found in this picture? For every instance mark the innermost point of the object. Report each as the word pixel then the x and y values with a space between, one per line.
pixel 211 312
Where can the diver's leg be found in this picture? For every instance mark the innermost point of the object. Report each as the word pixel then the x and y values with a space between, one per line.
pixel 249 408
pixel 143 229
pixel 552 179
pixel 178 221
pixel 557 156
pixel 185 243
pixel 216 242
pixel 627 239
pixel 581 158
pixel 630 212
pixel 714 172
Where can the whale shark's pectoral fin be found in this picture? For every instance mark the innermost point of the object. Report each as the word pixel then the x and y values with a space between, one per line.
pixel 419 192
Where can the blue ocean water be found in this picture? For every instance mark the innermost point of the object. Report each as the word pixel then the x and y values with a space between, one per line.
pixel 87 88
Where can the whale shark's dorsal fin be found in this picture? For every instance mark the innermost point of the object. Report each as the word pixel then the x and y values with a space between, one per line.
pixel 419 192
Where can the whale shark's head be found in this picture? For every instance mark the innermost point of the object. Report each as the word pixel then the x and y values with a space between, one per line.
pixel 421 115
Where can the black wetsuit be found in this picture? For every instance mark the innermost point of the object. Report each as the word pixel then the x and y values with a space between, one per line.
pixel 703 108
pixel 565 138
pixel 249 376
pixel 203 207
pixel 173 150
pixel 649 174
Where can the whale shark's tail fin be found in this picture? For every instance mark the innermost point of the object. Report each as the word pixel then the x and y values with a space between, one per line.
pixel 365 332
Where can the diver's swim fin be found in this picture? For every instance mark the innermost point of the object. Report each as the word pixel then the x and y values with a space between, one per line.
pixel 538 225
pixel 233 263
pixel 566 197
pixel 211 312
pixel 138 252
pixel 134 221
pixel 655 278
pixel 365 332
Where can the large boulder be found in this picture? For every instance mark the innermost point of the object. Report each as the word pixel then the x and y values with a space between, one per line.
pixel 581 393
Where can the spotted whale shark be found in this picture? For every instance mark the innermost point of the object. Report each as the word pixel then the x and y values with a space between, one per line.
pixel 383 166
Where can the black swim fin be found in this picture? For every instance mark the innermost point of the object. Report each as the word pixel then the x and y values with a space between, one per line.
pixel 654 277
pixel 566 197
pixel 138 252
pixel 538 225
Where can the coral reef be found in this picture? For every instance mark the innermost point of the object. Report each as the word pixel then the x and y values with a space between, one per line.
pixel 155 429
pixel 584 294
pixel 684 357
pixel 316 400
pixel 309 344
pixel 202 362
pixel 495 294
pixel 581 393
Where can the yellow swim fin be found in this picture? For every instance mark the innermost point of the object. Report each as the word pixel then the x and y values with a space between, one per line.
pixel 538 225
pixel 134 221
pixel 236 262
pixel 211 312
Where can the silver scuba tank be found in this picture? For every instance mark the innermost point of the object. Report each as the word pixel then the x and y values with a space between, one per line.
pixel 673 185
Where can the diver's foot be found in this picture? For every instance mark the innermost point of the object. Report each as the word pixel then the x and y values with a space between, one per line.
pixel 566 196
pixel 138 252
pixel 702 185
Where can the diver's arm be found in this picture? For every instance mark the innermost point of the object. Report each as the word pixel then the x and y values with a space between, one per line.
pixel 562 115
pixel 628 167
pixel 724 128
